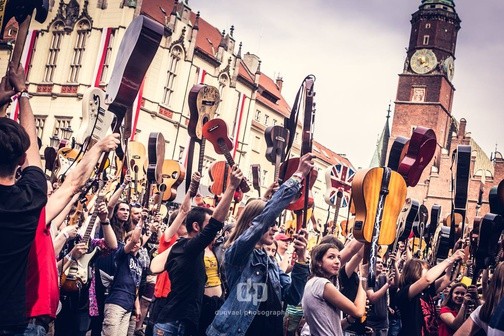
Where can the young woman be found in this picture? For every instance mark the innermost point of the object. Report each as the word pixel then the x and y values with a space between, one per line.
pixel 257 286
pixel 415 299
pixel 322 301
pixel 490 315
pixel 454 309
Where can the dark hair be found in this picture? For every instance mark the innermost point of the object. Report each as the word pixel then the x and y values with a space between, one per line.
pixel 412 271
pixel 119 228
pixel 317 254
pixel 331 239
pixel 449 298
pixel 14 141
pixel 198 215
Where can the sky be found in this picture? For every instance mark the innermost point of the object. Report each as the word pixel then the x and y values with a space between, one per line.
pixel 356 49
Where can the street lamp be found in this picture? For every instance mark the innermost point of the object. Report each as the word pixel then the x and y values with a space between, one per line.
pixel 66 133
pixel 54 140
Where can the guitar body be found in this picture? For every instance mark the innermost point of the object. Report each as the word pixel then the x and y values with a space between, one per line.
pixel 65 161
pixel 96 120
pixel 219 175
pixel 419 223
pixel 137 159
pixel 156 152
pixel 442 243
pixel 215 131
pixel 203 103
pixel 276 141
pixel 287 169
pixel 366 188
pixel 496 199
pixel 397 152
pixel 256 178
pixel 173 174
pixel 421 149
pixel 462 176
pixel 77 274
pixel 435 219
pixel 407 218
pixel 332 193
pixel 490 231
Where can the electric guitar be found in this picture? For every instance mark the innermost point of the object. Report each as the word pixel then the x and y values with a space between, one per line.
pixel 496 199
pixel 419 227
pixel 421 149
pixel 77 274
pixel 463 161
pixel 96 120
pixel 379 195
pixel 67 158
pixel 215 131
pixel 432 226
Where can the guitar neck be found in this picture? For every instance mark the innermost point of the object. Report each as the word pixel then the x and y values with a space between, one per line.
pixel 92 221
pixel 277 168
pixel 243 184
pixel 336 214
pixel 201 155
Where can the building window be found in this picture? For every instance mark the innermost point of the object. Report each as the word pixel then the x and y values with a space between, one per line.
pixel 106 61
pixel 59 123
pixel 427 25
pixel 176 55
pixel 275 122
pixel 39 125
pixel 52 59
pixel 257 115
pixel 426 39
pixel 266 119
pixel 78 52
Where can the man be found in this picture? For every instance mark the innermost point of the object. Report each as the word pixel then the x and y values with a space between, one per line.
pixel 283 257
pixel 186 267
pixel 22 201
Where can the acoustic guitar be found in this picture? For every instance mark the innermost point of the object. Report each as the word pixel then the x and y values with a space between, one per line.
pixel 67 158
pixel 219 175
pixel 496 199
pixel 137 159
pixel 203 101
pixel 435 219
pixel 156 153
pixel 22 11
pixel 490 231
pixel 256 178
pixel 379 195
pixel 421 149
pixel 215 131
pixel 419 228
pixel 276 138
pixel 398 151
pixel 173 174
pixel 406 219
pixel 463 162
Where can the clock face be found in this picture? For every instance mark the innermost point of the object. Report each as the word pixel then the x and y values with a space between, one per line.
pixel 423 61
pixel 449 67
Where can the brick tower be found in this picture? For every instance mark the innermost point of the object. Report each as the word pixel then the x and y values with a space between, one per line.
pixel 425 90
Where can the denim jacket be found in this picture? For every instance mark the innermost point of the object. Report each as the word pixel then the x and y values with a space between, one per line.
pixel 248 268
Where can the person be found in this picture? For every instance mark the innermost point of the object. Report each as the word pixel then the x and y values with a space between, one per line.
pixel 284 256
pixel 454 309
pixel 186 267
pixel 489 316
pixel 22 201
pixel 322 301
pixel 419 285
pixel 122 298
pixel 257 286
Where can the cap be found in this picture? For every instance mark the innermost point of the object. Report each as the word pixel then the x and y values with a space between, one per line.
pixel 282 236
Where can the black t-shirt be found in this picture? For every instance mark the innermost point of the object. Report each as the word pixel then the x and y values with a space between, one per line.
pixel 186 269
pixel 349 286
pixel 418 314
pixel 20 207
pixel 377 316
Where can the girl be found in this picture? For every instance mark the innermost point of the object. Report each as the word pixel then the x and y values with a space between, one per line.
pixel 322 301
pixel 490 315
pixel 419 285
pixel 454 309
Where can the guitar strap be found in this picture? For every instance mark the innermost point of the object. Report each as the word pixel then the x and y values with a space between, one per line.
pixel 190 156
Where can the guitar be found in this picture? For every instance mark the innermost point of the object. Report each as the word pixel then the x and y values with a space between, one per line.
pixel 66 159
pixel 203 102
pixel 156 153
pixel 442 244
pixel 490 231
pixel 463 160
pixel 173 174
pixel 406 219
pixel 432 226
pixel 496 199
pixel 137 50
pixel 276 141
pixel 419 226
pixel 379 195
pixel 96 120
pixel 256 178
pixel 22 11
pixel 397 152
pixel 421 149
pixel 137 158
pixel 219 175
pixel 215 131
pixel 76 275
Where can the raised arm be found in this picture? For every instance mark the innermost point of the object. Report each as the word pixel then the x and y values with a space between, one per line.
pixel 108 233
pixel 17 79
pixel 77 177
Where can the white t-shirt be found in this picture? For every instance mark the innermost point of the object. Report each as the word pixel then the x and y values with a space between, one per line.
pixel 322 318
pixel 488 330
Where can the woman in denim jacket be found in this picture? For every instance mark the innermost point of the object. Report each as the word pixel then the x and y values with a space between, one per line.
pixel 257 287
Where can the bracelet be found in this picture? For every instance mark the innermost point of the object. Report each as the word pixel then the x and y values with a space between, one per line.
pixel 65 235
pixel 105 222
pixel 450 261
pixel 68 258
pixel 24 94
pixel 298 176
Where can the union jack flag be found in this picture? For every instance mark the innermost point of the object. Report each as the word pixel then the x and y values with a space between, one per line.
pixel 344 200
pixel 341 178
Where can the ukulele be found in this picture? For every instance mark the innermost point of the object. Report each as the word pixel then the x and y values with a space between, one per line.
pixel 137 50
pixel 22 11
pixel 378 194
pixel 219 175
pixel 256 178
pixel 421 149
pixel 276 141
pixel 397 152
pixel 173 174
pixel 215 131
pixel 203 101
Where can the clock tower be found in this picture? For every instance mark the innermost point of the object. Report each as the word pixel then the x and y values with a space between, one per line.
pixel 425 90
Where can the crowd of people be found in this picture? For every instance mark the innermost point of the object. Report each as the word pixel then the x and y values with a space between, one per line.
pixel 103 265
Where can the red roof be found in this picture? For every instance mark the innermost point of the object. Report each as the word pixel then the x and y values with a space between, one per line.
pixel 327 155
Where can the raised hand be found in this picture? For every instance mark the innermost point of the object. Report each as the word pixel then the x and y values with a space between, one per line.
pixel 236 177
pixel 305 164
pixel 109 143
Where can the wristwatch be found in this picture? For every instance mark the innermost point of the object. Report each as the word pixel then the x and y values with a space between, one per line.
pixel 105 222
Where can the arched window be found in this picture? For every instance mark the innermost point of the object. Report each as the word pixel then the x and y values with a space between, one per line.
pixel 83 29
pixel 54 50
pixel 171 75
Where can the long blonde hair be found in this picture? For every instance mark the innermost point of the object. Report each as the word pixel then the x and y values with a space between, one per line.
pixel 251 211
